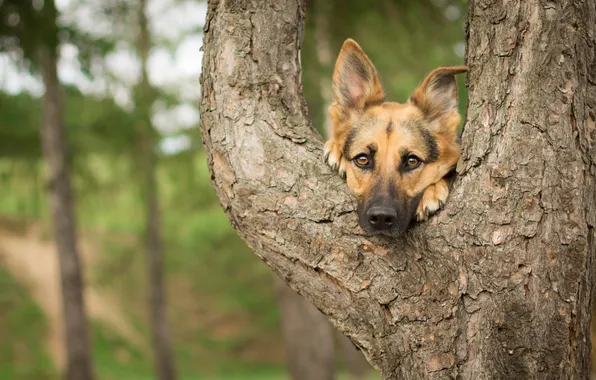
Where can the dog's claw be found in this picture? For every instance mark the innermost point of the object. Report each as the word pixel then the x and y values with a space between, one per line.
pixel 333 157
pixel 417 217
pixel 433 199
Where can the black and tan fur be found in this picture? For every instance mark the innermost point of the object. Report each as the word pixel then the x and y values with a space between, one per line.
pixel 394 156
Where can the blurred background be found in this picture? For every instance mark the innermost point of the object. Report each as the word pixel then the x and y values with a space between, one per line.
pixel 125 61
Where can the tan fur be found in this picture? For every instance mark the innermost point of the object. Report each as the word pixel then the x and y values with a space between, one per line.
pixel 358 112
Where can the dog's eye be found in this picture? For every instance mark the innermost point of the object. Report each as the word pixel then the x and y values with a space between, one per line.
pixel 361 160
pixel 412 162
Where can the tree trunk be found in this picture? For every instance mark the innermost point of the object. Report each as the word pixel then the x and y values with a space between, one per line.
pixel 494 287
pixel 308 336
pixel 164 359
pixel 161 338
pixel 79 364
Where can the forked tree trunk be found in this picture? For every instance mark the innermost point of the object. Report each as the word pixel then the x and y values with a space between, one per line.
pixel 494 287
pixel 79 364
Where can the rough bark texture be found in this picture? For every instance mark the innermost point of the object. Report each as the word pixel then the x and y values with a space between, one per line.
pixel 497 285
pixel 79 364
pixel 308 336
pixel 164 358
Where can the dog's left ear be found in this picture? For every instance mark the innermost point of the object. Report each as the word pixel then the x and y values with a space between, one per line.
pixel 437 95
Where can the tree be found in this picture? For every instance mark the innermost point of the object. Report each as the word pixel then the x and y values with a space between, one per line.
pixel 308 336
pixel 144 98
pixel 354 361
pixel 497 285
pixel 55 149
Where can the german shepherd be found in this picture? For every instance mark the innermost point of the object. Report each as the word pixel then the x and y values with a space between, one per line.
pixel 395 157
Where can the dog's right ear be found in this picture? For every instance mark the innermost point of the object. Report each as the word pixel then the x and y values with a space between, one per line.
pixel 356 86
pixel 356 83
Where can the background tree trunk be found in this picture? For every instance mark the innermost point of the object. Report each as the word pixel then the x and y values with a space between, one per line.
pixel 354 361
pixel 164 358
pixel 323 10
pixel 593 341
pixel 308 336
pixel 79 364
pixel 497 285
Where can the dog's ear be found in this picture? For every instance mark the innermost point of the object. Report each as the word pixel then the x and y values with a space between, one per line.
pixel 356 83
pixel 437 94
pixel 356 86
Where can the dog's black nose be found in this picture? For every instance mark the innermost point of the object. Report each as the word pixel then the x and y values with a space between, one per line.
pixel 381 218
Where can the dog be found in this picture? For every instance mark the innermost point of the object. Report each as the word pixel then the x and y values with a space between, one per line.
pixel 394 157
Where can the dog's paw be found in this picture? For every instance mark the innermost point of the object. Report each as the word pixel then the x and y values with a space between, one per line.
pixel 334 157
pixel 432 200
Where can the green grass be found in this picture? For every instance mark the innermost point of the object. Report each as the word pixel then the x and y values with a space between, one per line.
pixel 262 373
pixel 115 358
pixel 219 272
pixel 22 334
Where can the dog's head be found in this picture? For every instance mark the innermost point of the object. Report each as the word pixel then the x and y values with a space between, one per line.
pixel 392 152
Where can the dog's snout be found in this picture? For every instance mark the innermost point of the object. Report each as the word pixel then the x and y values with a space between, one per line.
pixel 381 218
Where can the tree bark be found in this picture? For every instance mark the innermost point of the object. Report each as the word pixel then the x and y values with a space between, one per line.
pixel 164 358
pixel 79 364
pixel 308 336
pixel 494 287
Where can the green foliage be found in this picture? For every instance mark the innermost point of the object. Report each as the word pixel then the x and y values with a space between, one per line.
pixel 19 126
pixel 17 31
pixel 96 125
pixel 89 47
pixel 27 26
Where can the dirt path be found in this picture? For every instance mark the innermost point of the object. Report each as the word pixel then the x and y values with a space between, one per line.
pixel 34 263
